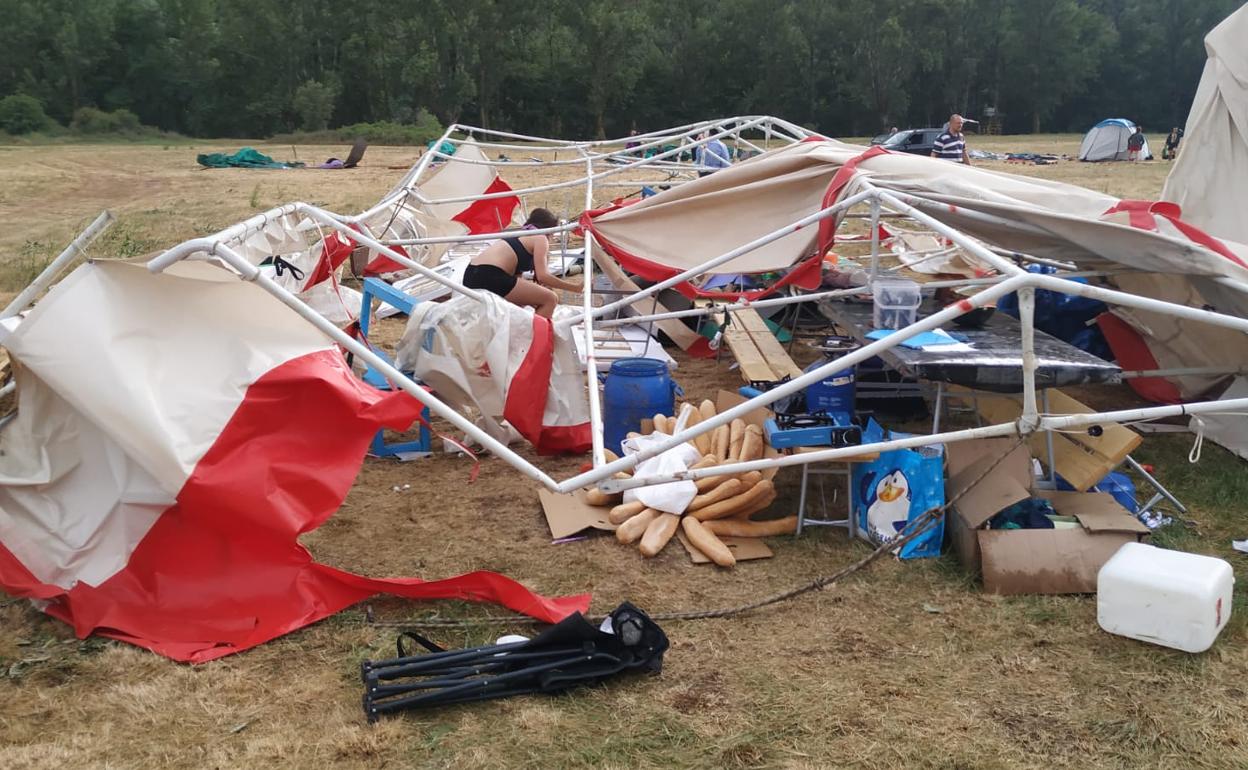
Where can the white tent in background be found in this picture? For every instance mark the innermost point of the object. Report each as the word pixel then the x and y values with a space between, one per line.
pixel 1210 178
pixel 1107 140
pixel 1209 181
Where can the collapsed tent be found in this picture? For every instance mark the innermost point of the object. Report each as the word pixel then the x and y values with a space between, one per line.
pixel 1107 140
pixel 1172 260
pixel 465 176
pixel 175 434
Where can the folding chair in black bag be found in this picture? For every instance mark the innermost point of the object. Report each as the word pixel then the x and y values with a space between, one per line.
pixel 569 654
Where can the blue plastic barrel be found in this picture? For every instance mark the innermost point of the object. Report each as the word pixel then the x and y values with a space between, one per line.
pixel 636 388
pixel 834 394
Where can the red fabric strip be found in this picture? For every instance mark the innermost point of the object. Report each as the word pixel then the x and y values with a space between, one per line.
pixel 492 214
pixel 222 570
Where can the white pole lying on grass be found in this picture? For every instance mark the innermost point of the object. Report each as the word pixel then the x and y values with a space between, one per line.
pixel 54 268
pixel 250 272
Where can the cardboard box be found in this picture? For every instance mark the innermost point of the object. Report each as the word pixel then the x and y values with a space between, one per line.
pixel 1029 561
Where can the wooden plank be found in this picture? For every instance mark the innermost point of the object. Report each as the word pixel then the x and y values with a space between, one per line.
pixel 772 351
pixel 751 363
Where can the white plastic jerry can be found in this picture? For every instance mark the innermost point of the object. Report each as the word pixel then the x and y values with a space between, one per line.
pixel 1171 598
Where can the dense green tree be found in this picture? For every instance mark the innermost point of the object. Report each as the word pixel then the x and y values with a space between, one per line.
pixel 594 67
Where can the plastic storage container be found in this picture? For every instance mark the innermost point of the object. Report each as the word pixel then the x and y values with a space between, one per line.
pixel 636 388
pixel 896 303
pixel 834 394
pixel 1171 598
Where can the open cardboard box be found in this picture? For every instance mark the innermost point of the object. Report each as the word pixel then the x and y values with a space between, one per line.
pixel 1029 561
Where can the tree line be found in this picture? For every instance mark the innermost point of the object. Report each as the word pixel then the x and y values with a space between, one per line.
pixel 574 68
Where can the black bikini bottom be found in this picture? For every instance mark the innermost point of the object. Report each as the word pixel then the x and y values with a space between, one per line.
pixel 491 278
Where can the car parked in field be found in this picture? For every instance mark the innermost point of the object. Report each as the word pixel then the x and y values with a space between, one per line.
pixel 917 141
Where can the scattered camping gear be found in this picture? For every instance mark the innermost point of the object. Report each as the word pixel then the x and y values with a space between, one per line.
pixel 353 158
pixel 572 653
pixel 1108 139
pixel 244 158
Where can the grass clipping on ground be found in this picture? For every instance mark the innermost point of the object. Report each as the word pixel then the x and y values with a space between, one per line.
pixel 902 665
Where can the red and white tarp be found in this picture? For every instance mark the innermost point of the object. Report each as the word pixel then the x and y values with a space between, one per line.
pixel 175 435
pixel 497 362
pixel 688 225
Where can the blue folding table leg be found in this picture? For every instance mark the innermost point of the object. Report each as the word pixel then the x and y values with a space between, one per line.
pixel 374 287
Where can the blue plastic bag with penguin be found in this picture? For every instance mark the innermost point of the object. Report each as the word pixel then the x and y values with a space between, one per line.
pixel 892 491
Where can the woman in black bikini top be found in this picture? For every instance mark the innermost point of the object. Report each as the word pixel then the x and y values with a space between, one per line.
pixel 498 268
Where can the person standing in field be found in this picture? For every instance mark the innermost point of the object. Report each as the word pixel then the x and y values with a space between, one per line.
pixel 951 144
pixel 712 156
pixel 1171 150
pixel 1135 143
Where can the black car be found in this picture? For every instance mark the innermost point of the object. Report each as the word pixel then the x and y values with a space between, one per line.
pixel 917 141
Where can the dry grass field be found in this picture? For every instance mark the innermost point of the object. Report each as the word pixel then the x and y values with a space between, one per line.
pixel 903 665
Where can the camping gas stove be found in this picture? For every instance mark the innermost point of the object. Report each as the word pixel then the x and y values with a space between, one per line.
pixel 814 429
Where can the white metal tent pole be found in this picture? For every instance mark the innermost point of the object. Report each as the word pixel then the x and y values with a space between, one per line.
pixel 325 218
pixel 1002 265
pixel 728 256
pixel 875 238
pixel 250 272
pixel 54 268
pixel 813 297
pixel 1062 422
pixel 545 188
pixel 570 143
pixel 800 383
pixel 591 368
pixel 412 178
pixel 476 237
pixel 1026 317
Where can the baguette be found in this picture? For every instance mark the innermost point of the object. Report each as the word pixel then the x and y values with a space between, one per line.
pixel 735 527
pixel 632 530
pixel 658 532
pixel 736 434
pixel 736 504
pixel 745 513
pixel 596 496
pixel 706 542
pixel 730 488
pixel 719 442
pixel 695 417
pixel 707 409
pixel 625 511
pixel 751 444
pixel 660 424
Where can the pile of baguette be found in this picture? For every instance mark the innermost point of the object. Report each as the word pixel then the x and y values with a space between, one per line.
pixel 724 503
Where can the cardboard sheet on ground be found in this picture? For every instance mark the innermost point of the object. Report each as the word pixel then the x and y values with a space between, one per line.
pixel 743 548
pixel 567 515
